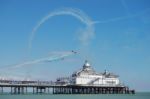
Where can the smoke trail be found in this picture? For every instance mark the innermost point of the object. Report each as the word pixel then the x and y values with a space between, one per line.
pixel 55 57
pixel 45 59
pixel 126 17
pixel 85 36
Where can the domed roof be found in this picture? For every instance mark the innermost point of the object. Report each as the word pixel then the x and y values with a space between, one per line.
pixel 87 64
pixel 87 69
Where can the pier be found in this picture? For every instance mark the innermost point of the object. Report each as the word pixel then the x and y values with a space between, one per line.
pixel 49 87
pixel 83 81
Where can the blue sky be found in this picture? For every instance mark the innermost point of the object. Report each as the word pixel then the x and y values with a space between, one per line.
pixel 120 44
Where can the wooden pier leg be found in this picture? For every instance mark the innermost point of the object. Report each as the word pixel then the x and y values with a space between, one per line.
pixel 75 90
pixel 105 90
pixel 56 90
pixel 89 90
pixel 45 90
pixel 15 91
pixel 40 90
pixel 66 89
pixel 93 92
pixel 53 90
pixel 102 90
pixel 114 91
pixel 1 90
pixel 123 90
pixel 111 90
pixel 21 90
pixel 26 90
pixel 78 91
pixel 48 90
pixel 96 89
pixel 59 90
pixel 127 90
pixel 70 90
pixel 117 90
pixel 108 90
pixel 83 90
pixel 11 90
pixel 36 90
pixel 18 90
pixel 33 91
pixel 63 90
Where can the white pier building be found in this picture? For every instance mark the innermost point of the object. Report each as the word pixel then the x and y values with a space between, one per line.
pixel 88 76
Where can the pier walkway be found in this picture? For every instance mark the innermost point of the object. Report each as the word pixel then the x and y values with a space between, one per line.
pixel 50 87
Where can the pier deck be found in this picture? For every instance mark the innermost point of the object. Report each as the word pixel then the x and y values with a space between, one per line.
pixel 49 87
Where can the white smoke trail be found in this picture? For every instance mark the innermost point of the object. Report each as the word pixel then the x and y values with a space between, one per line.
pixel 86 35
pixel 126 17
pixel 55 57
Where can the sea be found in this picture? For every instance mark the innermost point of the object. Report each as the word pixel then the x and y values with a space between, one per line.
pixel 142 95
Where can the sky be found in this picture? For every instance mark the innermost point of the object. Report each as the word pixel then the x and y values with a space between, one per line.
pixel 117 39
